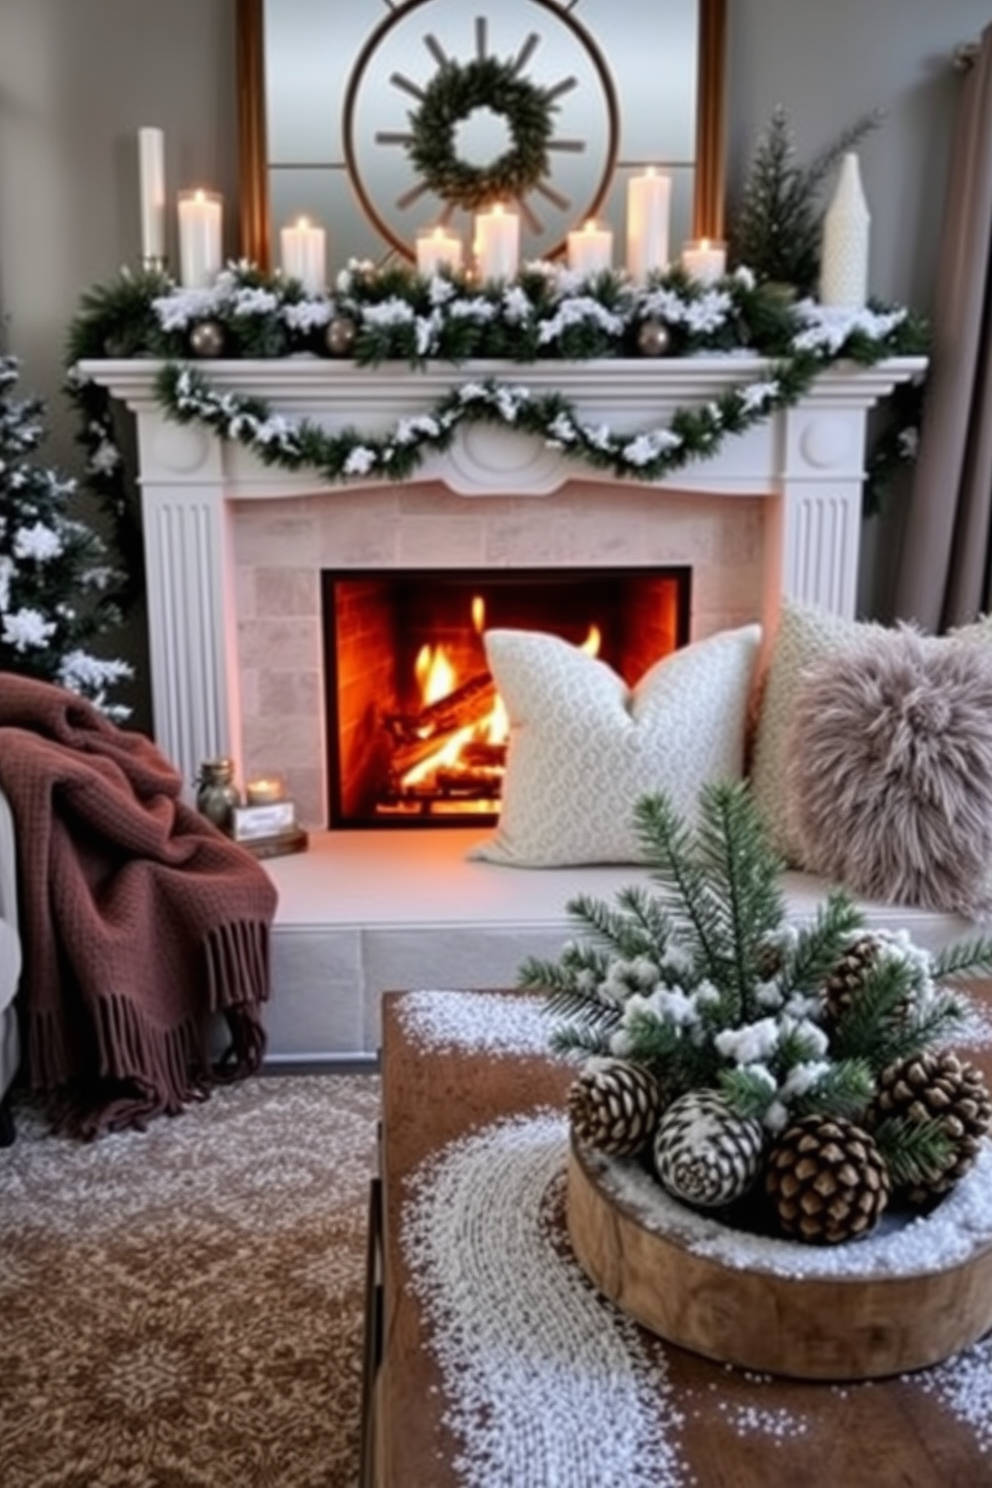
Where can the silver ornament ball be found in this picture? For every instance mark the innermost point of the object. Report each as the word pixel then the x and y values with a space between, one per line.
pixel 206 339
pixel 340 335
pixel 653 339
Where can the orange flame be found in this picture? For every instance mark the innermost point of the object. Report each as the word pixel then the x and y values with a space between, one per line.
pixel 434 673
pixel 478 614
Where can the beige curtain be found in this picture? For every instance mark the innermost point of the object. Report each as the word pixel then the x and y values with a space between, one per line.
pixel 944 575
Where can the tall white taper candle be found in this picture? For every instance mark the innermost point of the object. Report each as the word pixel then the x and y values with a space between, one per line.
pixel 151 182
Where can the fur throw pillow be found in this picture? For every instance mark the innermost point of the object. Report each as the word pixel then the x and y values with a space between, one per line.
pixel 889 778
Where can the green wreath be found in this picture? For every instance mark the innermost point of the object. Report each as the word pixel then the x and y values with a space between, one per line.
pixel 456 91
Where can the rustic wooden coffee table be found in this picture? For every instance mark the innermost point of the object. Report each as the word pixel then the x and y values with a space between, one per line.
pixel 919 1431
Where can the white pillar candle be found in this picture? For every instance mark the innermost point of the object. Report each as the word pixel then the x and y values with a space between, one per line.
pixel 437 250
pixel 591 250
pixel 497 243
pixel 648 208
pixel 303 254
pixel 200 252
pixel 151 184
pixel 705 261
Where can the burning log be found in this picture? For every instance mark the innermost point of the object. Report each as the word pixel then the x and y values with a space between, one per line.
pixel 412 752
pixel 468 784
pixel 465 705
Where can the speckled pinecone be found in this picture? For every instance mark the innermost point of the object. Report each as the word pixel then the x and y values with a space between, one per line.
pixel 704 1152
pixel 937 1086
pixel 614 1105
pixel 826 1180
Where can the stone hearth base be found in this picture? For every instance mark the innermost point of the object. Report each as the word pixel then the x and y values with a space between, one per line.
pixel 366 912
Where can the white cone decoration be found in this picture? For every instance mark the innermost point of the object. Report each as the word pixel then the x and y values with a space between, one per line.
pixel 704 1153
pixel 844 261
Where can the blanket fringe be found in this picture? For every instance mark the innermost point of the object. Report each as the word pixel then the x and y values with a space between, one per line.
pixel 141 1071
pixel 237 956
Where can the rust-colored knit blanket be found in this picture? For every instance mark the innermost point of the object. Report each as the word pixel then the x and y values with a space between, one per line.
pixel 139 919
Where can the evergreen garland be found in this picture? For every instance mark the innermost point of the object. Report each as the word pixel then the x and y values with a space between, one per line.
pixel 456 90
pixel 396 313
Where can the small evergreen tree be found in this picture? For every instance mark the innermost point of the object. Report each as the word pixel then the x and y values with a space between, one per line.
pixel 777 229
pixel 56 583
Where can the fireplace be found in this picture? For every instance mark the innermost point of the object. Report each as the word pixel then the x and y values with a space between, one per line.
pixel 235 550
pixel 415 729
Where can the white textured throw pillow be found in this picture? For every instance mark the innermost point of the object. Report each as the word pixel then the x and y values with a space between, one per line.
pixel 584 747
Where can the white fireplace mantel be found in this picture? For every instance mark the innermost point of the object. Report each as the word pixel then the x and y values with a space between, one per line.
pixel 808 461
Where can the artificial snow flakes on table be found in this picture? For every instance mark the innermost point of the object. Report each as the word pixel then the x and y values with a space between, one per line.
pixel 963 1385
pixel 509 1025
pixel 946 1237
pixel 547 1386
pixel 976 1033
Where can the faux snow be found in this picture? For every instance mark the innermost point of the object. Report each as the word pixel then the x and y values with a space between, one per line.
pixel 500 1024
pixel 953 1232
pixel 547 1385
pixel 961 1384
pixel 977 1030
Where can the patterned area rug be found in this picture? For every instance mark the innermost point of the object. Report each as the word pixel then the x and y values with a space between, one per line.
pixel 183 1307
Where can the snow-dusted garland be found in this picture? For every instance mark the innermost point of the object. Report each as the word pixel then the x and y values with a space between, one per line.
pixel 548 312
pixel 819 337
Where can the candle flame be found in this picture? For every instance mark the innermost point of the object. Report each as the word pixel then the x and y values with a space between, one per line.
pixel 704 244
pixel 303 223
pixel 478 614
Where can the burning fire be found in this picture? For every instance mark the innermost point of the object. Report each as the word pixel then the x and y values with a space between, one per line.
pixel 434 673
pixel 469 754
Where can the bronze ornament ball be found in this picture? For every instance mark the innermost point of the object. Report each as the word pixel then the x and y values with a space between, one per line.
pixel 206 339
pixel 653 339
pixel 340 335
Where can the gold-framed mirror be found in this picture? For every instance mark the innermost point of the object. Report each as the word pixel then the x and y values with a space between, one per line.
pixel 375 70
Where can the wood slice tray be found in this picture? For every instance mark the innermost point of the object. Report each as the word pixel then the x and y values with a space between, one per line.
pixel 808 1327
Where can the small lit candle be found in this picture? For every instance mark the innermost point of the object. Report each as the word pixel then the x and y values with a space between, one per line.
pixel 151 179
pixel 437 250
pixel 266 790
pixel 303 253
pixel 705 261
pixel 200 251
pixel 591 250
pixel 648 208
pixel 497 243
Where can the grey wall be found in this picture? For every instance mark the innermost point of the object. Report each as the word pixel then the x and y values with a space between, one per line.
pixel 78 77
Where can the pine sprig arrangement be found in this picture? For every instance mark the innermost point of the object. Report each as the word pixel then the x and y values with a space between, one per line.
pixel 702 982
pixel 776 231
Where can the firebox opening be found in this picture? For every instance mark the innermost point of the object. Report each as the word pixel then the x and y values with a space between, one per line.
pixel 416 731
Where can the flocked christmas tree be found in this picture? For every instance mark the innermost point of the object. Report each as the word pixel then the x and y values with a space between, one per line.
pixel 57 584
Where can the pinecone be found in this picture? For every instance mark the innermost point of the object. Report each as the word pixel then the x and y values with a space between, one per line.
pixel 704 1153
pixel 827 1180
pixel 614 1105
pixel 937 1086
pixel 846 975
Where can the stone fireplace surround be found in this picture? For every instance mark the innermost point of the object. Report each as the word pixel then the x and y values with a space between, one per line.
pixel 234 552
